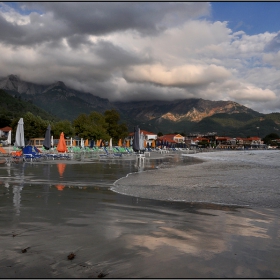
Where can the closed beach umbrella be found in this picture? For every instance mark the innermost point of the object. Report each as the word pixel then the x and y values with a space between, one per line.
pixel 20 134
pixel 47 140
pixel 86 143
pixel 142 139
pixel 127 143
pixel 120 143
pixel 74 143
pixel 110 143
pixel 52 141
pixel 61 146
pixel 9 139
pixel 71 142
pixel 154 144
pixel 136 139
pixel 82 143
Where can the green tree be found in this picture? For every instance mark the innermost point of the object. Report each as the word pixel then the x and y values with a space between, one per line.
pixel 92 126
pixel 64 126
pixel 268 138
pixel 114 129
pixel 34 126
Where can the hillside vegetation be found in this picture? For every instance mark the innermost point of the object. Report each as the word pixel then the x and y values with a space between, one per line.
pixel 11 108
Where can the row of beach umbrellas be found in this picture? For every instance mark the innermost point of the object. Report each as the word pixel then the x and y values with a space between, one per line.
pixel 138 141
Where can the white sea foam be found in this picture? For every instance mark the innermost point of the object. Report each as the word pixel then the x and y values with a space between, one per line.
pixel 247 178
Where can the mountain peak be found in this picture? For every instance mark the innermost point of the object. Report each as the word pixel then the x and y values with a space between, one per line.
pixel 59 84
pixel 13 77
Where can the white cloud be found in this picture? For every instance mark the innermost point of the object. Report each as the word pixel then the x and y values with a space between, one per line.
pixel 181 76
pixel 154 51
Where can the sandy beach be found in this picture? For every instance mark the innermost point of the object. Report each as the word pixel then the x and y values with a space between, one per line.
pixel 207 215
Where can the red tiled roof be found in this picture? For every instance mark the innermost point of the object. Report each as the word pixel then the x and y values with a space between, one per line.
pixel 6 129
pixel 144 132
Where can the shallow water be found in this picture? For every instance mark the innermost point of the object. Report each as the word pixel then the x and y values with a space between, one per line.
pixel 55 209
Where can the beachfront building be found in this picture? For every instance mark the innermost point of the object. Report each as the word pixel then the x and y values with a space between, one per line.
pixel 4 131
pixel 224 142
pixel 150 137
pixel 172 140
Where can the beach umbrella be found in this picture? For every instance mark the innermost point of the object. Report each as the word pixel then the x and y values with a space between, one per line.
pixel 47 140
pixel 20 134
pixel 9 139
pixel 97 143
pixel 86 143
pixel 52 141
pixel 110 143
pixel 74 143
pixel 153 143
pixel 127 143
pixel 92 144
pixel 71 142
pixel 136 139
pixel 82 143
pixel 142 142
pixel 61 146
pixel 120 143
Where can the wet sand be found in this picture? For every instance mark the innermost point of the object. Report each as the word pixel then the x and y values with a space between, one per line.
pixel 124 236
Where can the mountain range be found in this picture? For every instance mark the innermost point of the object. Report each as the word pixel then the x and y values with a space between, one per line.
pixel 183 116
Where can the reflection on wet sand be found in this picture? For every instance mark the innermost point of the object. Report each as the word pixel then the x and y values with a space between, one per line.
pixel 125 236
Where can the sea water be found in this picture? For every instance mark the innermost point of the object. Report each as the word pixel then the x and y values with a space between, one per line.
pixel 54 208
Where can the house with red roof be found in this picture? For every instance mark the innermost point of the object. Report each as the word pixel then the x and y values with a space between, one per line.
pixel 149 136
pixel 172 138
pixel 4 131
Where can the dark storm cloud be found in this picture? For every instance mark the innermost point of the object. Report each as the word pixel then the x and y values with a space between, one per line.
pixel 103 18
pixel 115 56
pixel 55 20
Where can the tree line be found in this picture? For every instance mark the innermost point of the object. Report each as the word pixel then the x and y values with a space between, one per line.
pixel 93 126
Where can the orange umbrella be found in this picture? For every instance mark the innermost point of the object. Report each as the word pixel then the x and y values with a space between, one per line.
pixel 60 187
pixel 127 143
pixel 61 168
pixel 86 143
pixel 145 143
pixel 74 143
pixel 153 144
pixel 97 143
pixel 61 146
pixel 120 143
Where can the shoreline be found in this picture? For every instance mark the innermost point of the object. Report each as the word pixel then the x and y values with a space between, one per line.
pixel 218 179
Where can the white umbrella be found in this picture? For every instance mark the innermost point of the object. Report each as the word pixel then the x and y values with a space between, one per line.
pixel 52 141
pixel 110 143
pixel 82 143
pixel 141 142
pixel 9 139
pixel 20 134
pixel 71 142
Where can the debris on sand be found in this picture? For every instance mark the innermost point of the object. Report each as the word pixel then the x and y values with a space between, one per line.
pixel 25 250
pixel 71 256
pixel 102 275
